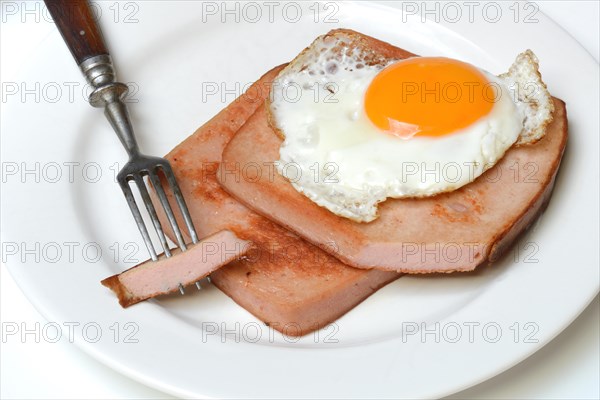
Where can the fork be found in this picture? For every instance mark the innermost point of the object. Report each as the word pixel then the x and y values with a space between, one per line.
pixel 76 24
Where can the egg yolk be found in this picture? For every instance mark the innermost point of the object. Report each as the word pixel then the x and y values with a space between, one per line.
pixel 428 96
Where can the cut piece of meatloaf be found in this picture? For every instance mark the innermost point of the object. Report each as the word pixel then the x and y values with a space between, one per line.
pixel 283 280
pixel 454 231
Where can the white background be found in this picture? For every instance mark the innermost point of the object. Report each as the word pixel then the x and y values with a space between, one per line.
pixel 568 367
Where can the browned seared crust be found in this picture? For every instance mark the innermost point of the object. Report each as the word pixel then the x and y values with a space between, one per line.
pixel 126 299
pixel 380 51
pixel 538 204
pixel 489 213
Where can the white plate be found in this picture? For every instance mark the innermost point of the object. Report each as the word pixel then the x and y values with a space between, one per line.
pixel 175 56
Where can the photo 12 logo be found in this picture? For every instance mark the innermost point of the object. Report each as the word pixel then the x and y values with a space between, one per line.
pixel 126 12
pixel 272 332
pixel 470 11
pixel 269 11
pixel 72 331
pixel 470 332
pixel 71 252
pixel 290 92
pixel 56 92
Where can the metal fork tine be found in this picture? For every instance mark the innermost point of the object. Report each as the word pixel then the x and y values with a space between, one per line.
pixel 152 211
pixel 180 201
pixel 138 217
pixel 167 207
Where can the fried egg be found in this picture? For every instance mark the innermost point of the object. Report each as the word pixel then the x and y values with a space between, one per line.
pixel 357 132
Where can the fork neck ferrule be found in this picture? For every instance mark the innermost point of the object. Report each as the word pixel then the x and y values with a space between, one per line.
pixel 108 94
pixel 98 70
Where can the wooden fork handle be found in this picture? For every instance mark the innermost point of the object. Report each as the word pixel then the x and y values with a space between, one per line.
pixel 75 22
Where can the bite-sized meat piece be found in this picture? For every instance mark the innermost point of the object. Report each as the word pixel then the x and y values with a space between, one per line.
pixel 455 231
pixel 153 278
